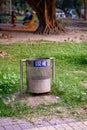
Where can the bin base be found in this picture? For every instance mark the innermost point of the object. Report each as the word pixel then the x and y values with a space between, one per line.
pixel 38 86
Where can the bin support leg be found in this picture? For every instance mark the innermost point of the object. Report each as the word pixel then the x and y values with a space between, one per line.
pixel 53 69
pixel 21 75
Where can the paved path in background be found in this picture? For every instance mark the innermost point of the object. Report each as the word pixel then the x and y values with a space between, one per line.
pixel 16 124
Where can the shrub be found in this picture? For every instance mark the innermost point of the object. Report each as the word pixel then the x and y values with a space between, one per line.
pixel 8 82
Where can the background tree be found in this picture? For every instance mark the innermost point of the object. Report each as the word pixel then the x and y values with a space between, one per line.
pixel 64 5
pixel 70 4
pixel 4 6
pixel 78 5
pixel 85 9
pixel 45 10
pixel 1 2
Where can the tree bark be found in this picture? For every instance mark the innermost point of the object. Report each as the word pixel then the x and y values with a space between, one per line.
pixel 85 9
pixel 1 9
pixel 45 10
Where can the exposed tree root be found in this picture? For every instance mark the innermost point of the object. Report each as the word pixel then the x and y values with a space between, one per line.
pixel 50 29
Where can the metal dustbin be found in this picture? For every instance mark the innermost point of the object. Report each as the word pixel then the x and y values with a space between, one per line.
pixel 38 74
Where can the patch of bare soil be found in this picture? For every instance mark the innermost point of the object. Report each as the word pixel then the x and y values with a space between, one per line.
pixel 84 83
pixel 2 54
pixel 5 35
pixel 34 100
pixel 40 99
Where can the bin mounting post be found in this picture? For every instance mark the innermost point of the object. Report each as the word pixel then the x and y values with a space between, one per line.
pixel 21 75
pixel 53 68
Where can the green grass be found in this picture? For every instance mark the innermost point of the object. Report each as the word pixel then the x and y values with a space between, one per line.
pixel 70 71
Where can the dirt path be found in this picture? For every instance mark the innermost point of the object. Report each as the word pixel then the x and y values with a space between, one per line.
pixel 77 33
pixel 73 35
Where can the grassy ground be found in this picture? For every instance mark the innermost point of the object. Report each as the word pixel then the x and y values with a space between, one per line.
pixel 70 70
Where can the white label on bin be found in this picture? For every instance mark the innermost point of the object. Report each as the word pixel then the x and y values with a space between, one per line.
pixel 40 63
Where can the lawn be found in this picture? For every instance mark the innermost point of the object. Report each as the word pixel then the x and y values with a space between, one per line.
pixel 70 73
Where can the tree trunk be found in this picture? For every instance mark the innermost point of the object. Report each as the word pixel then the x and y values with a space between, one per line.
pixel 45 10
pixel 1 9
pixel 78 10
pixel 85 9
